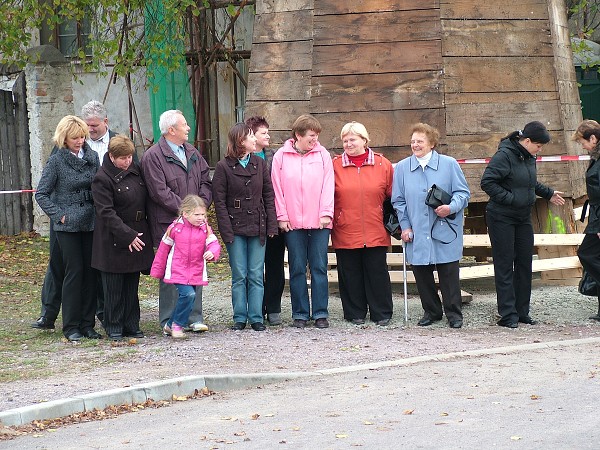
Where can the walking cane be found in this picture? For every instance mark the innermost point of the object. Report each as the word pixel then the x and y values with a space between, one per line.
pixel 404 280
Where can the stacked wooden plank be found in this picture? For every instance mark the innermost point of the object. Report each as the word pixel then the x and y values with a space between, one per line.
pixel 474 69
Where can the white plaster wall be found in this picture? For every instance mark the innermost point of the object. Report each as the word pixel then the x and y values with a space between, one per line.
pixel 49 98
pixel 92 86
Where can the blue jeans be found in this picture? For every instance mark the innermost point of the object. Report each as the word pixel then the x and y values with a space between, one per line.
pixel 185 301
pixel 246 259
pixel 308 246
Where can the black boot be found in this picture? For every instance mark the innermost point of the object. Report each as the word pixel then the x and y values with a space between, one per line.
pixel 597 316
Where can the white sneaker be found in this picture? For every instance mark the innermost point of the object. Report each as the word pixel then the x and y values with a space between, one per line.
pixel 198 327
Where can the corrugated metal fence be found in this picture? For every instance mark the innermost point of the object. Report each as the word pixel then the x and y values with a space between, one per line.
pixel 16 210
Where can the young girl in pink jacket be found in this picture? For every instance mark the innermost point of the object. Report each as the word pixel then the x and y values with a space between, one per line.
pixel 180 259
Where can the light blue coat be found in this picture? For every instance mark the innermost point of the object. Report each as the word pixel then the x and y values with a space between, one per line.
pixel 409 191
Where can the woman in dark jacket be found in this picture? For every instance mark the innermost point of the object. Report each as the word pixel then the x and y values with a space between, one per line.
pixel 245 209
pixel 588 135
pixel 122 242
pixel 64 194
pixel 274 279
pixel 510 179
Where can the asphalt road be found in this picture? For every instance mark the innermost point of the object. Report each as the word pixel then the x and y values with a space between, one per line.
pixel 545 398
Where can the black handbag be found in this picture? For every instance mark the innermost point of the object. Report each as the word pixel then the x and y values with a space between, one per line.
pixel 390 219
pixel 587 285
pixel 436 196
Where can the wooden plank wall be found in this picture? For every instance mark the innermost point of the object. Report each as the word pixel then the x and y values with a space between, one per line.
pixel 474 69
pixel 500 73
pixel 281 64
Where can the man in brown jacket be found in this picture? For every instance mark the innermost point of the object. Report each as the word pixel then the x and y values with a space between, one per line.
pixel 172 169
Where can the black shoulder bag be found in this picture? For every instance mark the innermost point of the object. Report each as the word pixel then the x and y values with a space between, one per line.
pixel 390 219
pixel 436 196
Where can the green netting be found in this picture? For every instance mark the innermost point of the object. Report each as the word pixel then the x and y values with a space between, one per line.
pixel 168 89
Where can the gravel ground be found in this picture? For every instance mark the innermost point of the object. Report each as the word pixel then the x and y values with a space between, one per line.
pixel 563 314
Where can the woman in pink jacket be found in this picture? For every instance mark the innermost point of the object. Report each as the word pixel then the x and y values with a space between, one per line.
pixel 180 259
pixel 302 176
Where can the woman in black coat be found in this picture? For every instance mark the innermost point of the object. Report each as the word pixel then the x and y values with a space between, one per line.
pixel 64 194
pixel 510 179
pixel 122 243
pixel 588 135
pixel 245 209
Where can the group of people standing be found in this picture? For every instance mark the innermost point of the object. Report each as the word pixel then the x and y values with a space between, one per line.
pixel 108 214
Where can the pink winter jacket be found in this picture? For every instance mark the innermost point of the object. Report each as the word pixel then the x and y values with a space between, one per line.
pixel 179 259
pixel 303 186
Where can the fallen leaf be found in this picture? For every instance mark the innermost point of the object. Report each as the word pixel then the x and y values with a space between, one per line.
pixel 368 423
pixel 255 416
pixel 341 436
pixel 408 412
pixel 444 414
pixel 296 429
pixel 515 438
pixel 534 397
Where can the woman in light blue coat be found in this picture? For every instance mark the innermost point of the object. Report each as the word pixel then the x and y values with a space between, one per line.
pixel 434 238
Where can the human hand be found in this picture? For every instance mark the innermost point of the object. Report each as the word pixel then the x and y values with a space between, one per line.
pixel 324 222
pixel 137 244
pixel 407 235
pixel 284 225
pixel 557 199
pixel 62 219
pixel 443 211
pixel 208 255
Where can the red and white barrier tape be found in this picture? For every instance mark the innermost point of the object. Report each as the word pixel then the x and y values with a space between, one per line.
pixel 20 191
pixel 556 158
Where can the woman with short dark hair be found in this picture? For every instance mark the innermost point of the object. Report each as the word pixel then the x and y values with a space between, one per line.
pixel 303 181
pixel 245 210
pixel 588 135
pixel 510 179
pixel 122 242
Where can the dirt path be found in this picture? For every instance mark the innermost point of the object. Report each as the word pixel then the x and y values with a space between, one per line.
pixel 79 369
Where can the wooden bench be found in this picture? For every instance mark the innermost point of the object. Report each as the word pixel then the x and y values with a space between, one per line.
pixel 470 271
pixel 395 259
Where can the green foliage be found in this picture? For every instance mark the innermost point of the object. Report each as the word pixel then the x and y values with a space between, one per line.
pixel 130 33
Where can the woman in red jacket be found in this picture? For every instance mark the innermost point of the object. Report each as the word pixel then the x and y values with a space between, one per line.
pixel 363 180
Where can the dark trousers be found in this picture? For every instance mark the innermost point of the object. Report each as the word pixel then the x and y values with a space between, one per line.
pixel 99 297
pixel 512 250
pixel 449 286
pixel 364 283
pixel 53 280
pixel 589 255
pixel 274 281
pixel 121 302
pixel 167 300
pixel 79 284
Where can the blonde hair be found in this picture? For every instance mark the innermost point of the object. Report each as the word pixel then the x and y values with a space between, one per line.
pixel 357 129
pixel 190 203
pixel 71 127
pixel 433 135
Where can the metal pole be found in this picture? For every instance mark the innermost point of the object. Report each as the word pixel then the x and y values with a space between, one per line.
pixel 404 280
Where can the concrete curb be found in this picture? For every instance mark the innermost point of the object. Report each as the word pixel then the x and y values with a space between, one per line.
pixel 166 389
